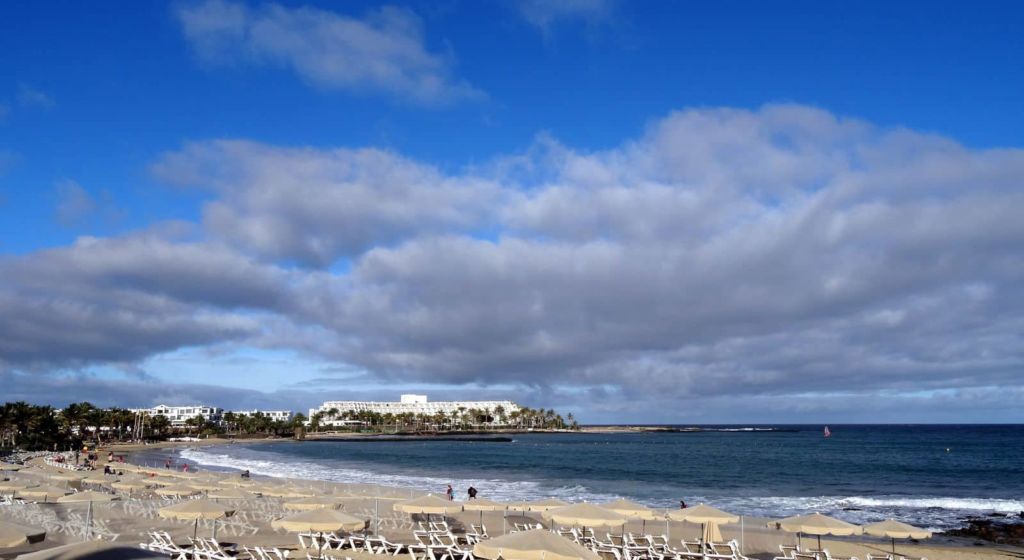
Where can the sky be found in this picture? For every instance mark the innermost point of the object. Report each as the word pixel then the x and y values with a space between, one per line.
pixel 646 212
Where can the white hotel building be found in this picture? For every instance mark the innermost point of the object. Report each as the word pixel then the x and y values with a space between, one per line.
pixel 415 404
pixel 275 415
pixel 177 415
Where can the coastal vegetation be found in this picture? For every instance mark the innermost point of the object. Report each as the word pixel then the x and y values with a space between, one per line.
pixel 34 427
pixel 461 420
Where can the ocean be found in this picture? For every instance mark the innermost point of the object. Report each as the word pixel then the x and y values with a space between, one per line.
pixel 926 475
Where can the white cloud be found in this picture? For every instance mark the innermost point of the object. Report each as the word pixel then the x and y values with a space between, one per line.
pixel 782 255
pixel 74 203
pixel 545 13
pixel 316 206
pixel 382 52
pixel 29 96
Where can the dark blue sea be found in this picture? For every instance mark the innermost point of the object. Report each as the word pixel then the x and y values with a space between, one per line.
pixel 928 475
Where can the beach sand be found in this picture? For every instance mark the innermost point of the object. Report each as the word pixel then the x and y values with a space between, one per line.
pixel 128 520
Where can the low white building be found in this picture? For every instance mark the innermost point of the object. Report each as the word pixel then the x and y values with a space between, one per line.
pixel 413 404
pixel 275 415
pixel 177 415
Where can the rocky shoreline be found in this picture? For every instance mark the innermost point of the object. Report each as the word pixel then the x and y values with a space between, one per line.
pixel 997 528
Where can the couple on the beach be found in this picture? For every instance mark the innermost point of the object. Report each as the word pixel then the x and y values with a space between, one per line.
pixel 450 493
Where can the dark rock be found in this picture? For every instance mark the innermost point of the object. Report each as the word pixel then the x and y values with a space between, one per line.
pixel 1002 532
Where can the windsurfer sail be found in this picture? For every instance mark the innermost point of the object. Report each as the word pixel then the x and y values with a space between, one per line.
pixel 828 433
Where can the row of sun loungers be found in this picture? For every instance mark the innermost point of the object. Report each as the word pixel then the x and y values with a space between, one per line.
pixel 437 541
pixel 794 553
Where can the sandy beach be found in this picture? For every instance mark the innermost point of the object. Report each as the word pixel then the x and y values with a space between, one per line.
pixel 128 519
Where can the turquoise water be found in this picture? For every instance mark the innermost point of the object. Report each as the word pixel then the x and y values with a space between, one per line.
pixel 928 475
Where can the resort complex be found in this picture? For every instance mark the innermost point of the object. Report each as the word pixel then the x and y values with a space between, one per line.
pixel 339 413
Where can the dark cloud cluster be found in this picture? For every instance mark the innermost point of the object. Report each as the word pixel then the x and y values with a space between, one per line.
pixel 784 256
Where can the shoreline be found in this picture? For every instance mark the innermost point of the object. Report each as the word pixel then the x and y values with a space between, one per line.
pixel 370 500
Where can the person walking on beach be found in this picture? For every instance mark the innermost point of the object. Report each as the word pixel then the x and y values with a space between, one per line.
pixel 682 504
pixel 167 463
pixel 472 493
pixel 184 468
pixel 450 493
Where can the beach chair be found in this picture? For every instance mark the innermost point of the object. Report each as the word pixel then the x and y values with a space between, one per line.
pixel 381 545
pixel 274 553
pixel 823 553
pixel 440 526
pixel 476 534
pixel 607 553
pixel 902 557
pixel 661 544
pixel 357 541
pixel 173 550
pixel 730 548
pixel 787 551
pixel 157 543
pixel 210 549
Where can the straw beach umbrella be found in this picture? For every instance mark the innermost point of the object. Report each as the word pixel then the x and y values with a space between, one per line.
pixel 130 484
pixel 428 504
pixel 544 505
pixel 66 476
pixel 177 490
pixel 97 480
pixel 319 521
pixel 11 487
pixel 895 530
pixel 205 485
pixel 12 535
pixel 44 493
pixel 634 510
pixel 93 550
pixel 90 497
pixel 281 491
pixel 535 544
pixel 585 515
pixel 315 502
pixel 231 494
pixel 238 482
pixel 708 517
pixel 196 510
pixel 483 505
pixel 818 524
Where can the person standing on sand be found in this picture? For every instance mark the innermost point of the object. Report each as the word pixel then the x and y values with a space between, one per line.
pixel 682 504
pixel 167 463
pixel 450 493
pixel 472 493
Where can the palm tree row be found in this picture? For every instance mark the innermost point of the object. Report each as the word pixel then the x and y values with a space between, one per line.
pixel 44 427
pixel 28 426
pixel 462 419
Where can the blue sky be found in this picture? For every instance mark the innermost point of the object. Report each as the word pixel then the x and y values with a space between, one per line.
pixel 187 130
